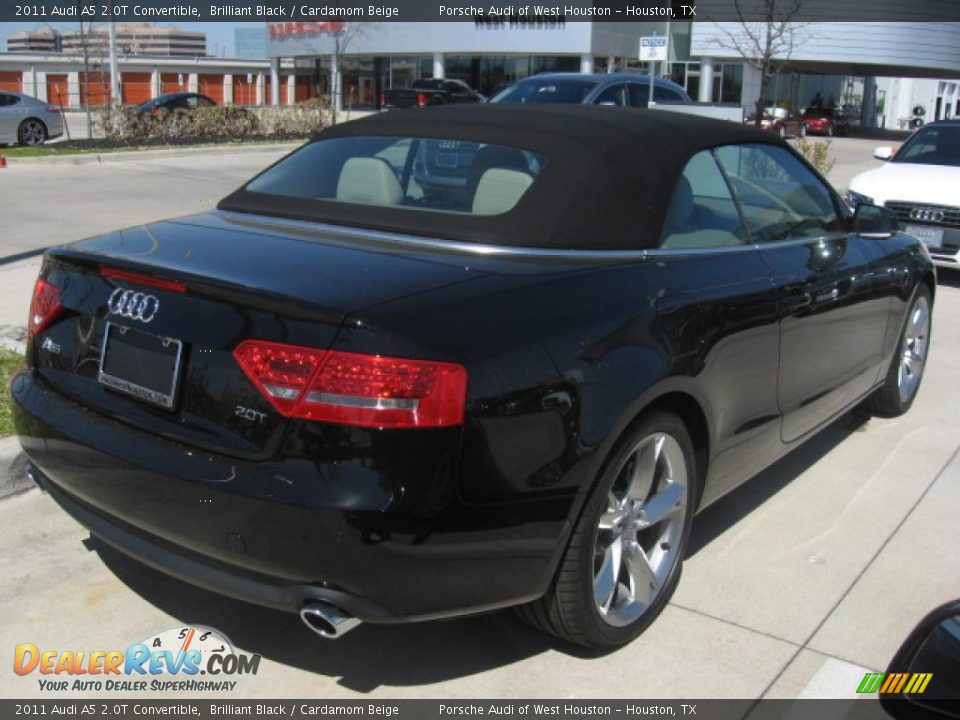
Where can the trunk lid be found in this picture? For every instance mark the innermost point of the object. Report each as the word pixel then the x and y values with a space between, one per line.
pixel 248 281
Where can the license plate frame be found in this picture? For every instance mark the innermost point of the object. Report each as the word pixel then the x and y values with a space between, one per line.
pixel 163 396
pixel 927 234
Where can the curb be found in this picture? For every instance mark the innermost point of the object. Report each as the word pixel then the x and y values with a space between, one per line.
pixel 13 469
pixel 134 155
pixel 17 346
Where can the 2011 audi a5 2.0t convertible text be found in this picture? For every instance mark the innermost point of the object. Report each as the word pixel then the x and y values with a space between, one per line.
pixel 464 359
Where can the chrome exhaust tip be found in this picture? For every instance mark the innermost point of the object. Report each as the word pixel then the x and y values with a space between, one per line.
pixel 327 621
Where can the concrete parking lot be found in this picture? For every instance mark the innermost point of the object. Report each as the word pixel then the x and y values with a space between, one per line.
pixel 795 585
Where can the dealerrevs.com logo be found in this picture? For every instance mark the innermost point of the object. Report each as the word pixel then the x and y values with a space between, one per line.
pixel 187 659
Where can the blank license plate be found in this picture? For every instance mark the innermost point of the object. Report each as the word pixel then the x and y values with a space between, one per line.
pixel 932 236
pixel 139 364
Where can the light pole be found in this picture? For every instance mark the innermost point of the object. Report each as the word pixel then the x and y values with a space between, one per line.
pixel 114 70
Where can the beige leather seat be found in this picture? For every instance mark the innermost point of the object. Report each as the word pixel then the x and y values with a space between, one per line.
pixel 681 230
pixel 369 180
pixel 499 190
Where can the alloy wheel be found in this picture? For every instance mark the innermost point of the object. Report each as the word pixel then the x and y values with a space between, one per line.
pixel 32 132
pixel 639 533
pixel 913 356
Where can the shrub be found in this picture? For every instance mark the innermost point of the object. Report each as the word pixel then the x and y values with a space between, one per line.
pixel 221 122
pixel 817 154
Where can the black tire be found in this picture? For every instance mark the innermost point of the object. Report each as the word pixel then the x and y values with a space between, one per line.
pixel 570 610
pixel 890 399
pixel 32 132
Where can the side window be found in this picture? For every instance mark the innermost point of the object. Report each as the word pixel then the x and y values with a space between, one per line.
pixel 702 212
pixel 781 199
pixel 8 100
pixel 613 95
pixel 660 93
pixel 192 102
pixel 205 102
pixel 639 95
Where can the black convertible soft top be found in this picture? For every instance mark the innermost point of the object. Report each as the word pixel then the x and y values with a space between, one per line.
pixel 608 180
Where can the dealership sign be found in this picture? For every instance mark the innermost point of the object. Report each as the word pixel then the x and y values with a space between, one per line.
pixel 302 29
pixel 653 48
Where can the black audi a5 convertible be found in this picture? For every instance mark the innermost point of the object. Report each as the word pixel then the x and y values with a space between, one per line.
pixel 440 363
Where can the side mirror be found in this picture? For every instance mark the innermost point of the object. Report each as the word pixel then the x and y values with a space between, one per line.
pixel 884 152
pixel 928 662
pixel 873 221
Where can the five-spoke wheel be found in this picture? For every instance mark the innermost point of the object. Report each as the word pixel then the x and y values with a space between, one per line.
pixel 32 132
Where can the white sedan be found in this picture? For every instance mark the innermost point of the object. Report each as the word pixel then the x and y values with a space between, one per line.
pixel 921 183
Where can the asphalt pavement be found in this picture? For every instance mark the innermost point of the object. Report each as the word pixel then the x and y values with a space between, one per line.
pixel 796 584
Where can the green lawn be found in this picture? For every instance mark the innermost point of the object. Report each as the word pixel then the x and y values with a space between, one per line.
pixel 55 150
pixel 9 362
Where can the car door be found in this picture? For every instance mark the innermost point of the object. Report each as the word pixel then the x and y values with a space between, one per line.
pixel 833 311
pixel 457 92
pixel 707 260
pixel 9 119
pixel 612 95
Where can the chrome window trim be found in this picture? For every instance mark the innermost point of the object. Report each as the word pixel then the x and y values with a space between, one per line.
pixel 403 241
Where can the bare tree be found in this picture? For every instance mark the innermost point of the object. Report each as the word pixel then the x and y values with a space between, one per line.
pixel 343 35
pixel 342 39
pixel 765 45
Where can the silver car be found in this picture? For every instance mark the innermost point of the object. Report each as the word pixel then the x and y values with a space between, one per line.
pixel 26 120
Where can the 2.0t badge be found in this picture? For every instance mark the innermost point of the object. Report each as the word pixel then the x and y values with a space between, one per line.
pixel 134 305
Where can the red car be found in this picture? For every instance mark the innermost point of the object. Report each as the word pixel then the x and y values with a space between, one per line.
pixel 823 121
pixel 783 122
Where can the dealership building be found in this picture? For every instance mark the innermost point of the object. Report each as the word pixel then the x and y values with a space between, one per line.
pixel 882 70
pixel 67 81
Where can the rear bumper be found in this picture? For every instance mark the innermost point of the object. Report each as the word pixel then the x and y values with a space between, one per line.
pixel 260 590
pixel 281 533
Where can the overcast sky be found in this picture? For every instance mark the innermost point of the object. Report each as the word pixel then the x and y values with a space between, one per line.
pixel 219 34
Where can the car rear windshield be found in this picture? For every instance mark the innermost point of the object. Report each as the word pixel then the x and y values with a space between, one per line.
pixel 419 174
pixel 546 90
pixel 932 145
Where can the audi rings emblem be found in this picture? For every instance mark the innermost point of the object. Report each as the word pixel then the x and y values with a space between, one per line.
pixel 134 305
pixel 927 214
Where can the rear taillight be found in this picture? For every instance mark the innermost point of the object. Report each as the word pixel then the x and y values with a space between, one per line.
pixel 421 99
pixel 383 99
pixel 44 307
pixel 354 389
pixel 52 109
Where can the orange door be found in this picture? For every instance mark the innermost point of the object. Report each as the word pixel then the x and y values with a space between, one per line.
pixel 12 81
pixel 305 88
pixel 244 92
pixel 134 88
pixel 95 88
pixel 170 82
pixel 212 87
pixel 58 90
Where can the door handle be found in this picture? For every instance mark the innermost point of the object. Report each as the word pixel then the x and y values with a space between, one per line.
pixel 826 296
pixel 798 300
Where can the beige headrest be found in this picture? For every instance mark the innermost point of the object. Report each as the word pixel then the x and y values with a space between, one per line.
pixel 370 181
pixel 499 190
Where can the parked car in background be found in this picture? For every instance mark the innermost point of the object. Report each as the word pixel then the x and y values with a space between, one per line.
pixel 920 182
pixel 342 396
pixel 429 92
pixel 620 89
pixel 782 121
pixel 175 101
pixel 26 120
pixel 824 121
